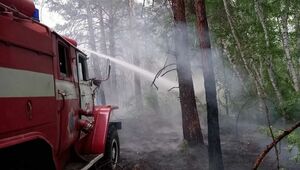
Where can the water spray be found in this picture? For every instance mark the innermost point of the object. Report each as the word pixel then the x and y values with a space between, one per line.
pixel 145 73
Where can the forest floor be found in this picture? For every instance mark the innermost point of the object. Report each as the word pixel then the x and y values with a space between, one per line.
pixel 153 144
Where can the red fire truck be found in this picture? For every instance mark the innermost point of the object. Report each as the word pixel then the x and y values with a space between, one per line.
pixel 49 119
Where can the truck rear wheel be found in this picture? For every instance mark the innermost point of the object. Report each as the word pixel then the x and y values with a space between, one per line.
pixel 112 149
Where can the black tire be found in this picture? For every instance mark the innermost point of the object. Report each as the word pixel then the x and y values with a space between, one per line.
pixel 112 149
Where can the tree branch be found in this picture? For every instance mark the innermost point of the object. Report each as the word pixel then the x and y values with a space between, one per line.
pixel 174 69
pixel 271 145
pixel 159 73
pixel 173 88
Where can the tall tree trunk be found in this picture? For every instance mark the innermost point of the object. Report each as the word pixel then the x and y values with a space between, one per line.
pixel 274 84
pixel 298 40
pixel 191 7
pixel 104 50
pixel 237 41
pixel 269 56
pixel 286 46
pixel 225 83
pixel 95 59
pixel 103 34
pixel 234 66
pixel 259 90
pixel 112 49
pixel 242 55
pixel 149 64
pixel 134 53
pixel 214 146
pixel 190 119
pixel 261 17
pixel 137 86
pixel 261 66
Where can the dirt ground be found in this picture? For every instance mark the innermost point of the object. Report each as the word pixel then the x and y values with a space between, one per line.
pixel 153 144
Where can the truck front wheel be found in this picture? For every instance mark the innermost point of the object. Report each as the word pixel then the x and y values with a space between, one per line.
pixel 112 149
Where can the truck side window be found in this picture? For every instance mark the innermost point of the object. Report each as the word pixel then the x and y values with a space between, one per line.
pixel 63 59
pixel 82 68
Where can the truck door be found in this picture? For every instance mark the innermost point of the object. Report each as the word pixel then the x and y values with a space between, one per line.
pixel 85 86
pixel 67 93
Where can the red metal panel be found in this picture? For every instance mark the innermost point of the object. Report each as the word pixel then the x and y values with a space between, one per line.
pixel 70 40
pixel 16 32
pixel 15 115
pixel 20 58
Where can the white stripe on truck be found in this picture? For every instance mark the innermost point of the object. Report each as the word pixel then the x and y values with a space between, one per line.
pixel 22 83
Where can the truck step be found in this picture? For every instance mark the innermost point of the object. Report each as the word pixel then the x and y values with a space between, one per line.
pixel 91 159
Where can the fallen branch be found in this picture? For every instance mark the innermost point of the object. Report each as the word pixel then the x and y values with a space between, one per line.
pixel 271 145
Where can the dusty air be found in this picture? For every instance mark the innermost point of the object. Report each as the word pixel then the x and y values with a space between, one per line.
pixel 149 85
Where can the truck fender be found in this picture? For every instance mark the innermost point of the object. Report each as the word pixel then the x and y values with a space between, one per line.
pixel 94 142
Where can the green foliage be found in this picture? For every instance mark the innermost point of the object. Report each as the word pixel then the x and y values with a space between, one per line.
pixel 294 141
pixel 291 106
pixel 265 130
pixel 252 38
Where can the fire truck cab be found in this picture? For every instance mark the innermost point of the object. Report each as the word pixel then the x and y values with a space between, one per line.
pixel 49 119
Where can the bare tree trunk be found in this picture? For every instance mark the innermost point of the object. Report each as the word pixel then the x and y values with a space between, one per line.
pixel 286 46
pixel 190 120
pixel 234 67
pixel 92 41
pixel 261 17
pixel 136 61
pixel 103 34
pixel 237 41
pixel 137 87
pixel 269 56
pixel 104 50
pixel 191 7
pixel 42 5
pixel 242 55
pixel 214 146
pixel 112 48
pixel 95 59
pixel 298 43
pixel 274 84
pixel 225 82
pixel 149 64
pixel 259 89
pixel 261 66
pixel 153 92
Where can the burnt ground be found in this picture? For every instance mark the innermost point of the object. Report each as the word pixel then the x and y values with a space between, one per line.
pixel 154 144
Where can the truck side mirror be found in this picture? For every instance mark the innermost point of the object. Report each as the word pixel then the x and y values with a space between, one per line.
pixel 108 70
pixel 97 82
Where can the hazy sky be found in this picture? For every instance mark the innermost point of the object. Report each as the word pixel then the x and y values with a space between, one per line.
pixel 51 18
pixel 48 18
